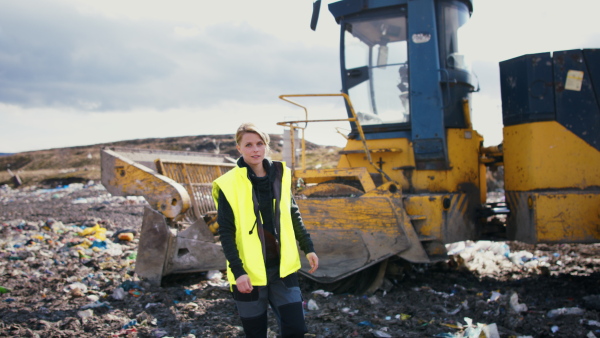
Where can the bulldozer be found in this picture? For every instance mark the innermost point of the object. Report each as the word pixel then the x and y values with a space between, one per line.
pixel 411 177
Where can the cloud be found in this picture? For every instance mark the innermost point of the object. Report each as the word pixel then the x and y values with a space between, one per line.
pixel 55 57
pixel 78 72
pixel 58 56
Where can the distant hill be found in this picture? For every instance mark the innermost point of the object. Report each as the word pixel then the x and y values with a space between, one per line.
pixel 80 164
pixel 6 154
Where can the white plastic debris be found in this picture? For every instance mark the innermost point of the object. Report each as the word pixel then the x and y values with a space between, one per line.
pixel 479 330
pixel 322 293
pixel 76 289
pixel 379 333
pixel 93 298
pixel 565 311
pixel 590 322
pixel 85 314
pixel 118 294
pixel 373 300
pixel 492 258
pixel 521 257
pixel 491 331
pixel 494 297
pixel 312 305
pixel 514 303
pixel 214 275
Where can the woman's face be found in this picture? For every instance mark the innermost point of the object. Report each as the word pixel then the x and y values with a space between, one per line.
pixel 252 148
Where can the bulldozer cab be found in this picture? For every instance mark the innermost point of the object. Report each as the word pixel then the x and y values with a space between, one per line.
pixel 383 44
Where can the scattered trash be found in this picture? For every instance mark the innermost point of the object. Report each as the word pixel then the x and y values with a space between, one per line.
pixel 312 305
pixel 135 292
pixel 493 257
pixel 85 283
pixel 126 236
pixel 131 323
pixel 118 293
pixel 475 331
pixel 514 303
pixel 96 305
pixel 366 323
pixel 128 285
pixel 565 311
pixel 76 289
pixel 470 330
pixel 322 293
pixel 373 300
pixel 403 316
pixel 590 322
pixel 131 332
pixel 214 275
pixel 491 331
pixel 85 314
pixel 96 231
pixel 379 333
pixel 159 333
pixel 495 296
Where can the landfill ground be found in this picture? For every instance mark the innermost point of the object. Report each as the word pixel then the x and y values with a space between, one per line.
pixel 59 277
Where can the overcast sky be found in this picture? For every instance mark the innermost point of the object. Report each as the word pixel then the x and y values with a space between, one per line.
pixel 82 72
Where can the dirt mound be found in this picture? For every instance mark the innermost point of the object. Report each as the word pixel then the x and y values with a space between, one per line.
pixel 54 167
pixel 63 273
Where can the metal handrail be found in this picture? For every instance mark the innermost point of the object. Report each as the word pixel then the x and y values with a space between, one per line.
pixel 292 125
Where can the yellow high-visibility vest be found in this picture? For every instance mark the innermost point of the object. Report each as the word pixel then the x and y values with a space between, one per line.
pixel 237 188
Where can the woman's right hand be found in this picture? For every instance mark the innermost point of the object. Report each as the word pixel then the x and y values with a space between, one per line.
pixel 243 284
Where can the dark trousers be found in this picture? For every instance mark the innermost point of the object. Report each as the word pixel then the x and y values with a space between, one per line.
pixel 285 299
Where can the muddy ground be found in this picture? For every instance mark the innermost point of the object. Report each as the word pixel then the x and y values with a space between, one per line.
pixel 60 278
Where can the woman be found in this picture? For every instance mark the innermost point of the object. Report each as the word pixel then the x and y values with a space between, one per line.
pixel 259 224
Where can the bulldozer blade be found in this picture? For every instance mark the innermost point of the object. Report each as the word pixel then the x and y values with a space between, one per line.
pixel 351 234
pixel 162 251
pixel 153 246
pixel 195 250
pixel 124 177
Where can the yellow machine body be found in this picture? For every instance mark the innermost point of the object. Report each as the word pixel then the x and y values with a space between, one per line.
pixel 375 204
pixel 395 157
pixel 550 176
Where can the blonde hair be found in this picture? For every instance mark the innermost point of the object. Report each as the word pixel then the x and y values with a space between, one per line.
pixel 251 128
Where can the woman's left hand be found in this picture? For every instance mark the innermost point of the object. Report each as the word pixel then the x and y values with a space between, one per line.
pixel 313 260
